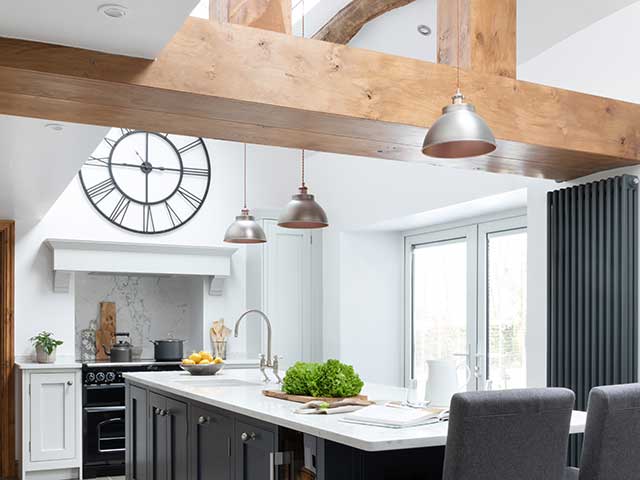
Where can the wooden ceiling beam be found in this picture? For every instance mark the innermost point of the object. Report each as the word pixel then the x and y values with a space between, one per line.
pixel 274 15
pixel 345 24
pixel 487 35
pixel 243 84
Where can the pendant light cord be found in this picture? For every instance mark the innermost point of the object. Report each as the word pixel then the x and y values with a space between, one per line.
pixel 458 44
pixel 303 168
pixel 302 3
pixel 245 176
pixel 302 18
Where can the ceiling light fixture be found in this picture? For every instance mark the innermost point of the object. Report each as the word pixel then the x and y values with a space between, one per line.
pixel 460 132
pixel 113 10
pixel 245 229
pixel 303 211
pixel 56 127
pixel 424 30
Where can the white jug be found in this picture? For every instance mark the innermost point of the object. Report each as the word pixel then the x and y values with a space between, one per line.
pixel 443 381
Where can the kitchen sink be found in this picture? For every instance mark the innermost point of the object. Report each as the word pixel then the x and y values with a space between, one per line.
pixel 214 382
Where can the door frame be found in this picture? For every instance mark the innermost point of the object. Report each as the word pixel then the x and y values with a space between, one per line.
pixel 7 352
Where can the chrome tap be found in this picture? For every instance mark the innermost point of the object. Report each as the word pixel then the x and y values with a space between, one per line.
pixel 264 362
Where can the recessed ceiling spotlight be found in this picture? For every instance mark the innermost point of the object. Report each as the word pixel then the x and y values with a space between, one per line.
pixel 112 10
pixel 56 127
pixel 424 30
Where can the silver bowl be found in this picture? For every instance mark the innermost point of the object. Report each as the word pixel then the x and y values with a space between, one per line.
pixel 210 369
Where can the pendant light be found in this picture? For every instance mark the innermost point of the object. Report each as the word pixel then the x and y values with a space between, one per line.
pixel 303 211
pixel 245 229
pixel 460 132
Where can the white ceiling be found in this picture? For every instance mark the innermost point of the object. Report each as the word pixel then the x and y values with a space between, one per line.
pixel 38 163
pixel 143 32
pixel 544 23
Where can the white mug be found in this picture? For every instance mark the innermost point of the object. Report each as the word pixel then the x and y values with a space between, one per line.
pixel 443 381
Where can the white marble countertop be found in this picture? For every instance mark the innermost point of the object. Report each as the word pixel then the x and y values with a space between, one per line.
pixel 58 365
pixel 240 391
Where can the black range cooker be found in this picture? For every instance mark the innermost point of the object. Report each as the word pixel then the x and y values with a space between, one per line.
pixel 103 414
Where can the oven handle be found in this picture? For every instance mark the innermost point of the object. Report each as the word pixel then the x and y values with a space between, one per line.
pixel 100 439
pixel 104 387
pixel 104 409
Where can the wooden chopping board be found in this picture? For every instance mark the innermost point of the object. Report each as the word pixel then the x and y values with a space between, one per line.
pixel 106 332
pixel 304 399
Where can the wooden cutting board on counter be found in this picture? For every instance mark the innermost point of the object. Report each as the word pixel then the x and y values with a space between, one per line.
pixel 304 399
pixel 106 332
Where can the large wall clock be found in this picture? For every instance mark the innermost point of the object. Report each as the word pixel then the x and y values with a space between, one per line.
pixel 147 182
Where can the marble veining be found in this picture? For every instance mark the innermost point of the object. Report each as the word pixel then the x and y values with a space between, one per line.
pixel 148 307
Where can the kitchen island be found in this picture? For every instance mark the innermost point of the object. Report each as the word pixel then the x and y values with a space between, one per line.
pixel 223 427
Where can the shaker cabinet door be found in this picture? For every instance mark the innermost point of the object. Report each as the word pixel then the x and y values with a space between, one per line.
pixel 211 448
pixel 137 421
pixel 53 416
pixel 177 440
pixel 254 452
pixel 157 438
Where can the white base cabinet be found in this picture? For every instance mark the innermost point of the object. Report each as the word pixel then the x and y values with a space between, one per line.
pixel 50 419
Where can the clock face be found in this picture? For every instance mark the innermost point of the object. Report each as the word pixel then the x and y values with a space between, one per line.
pixel 147 182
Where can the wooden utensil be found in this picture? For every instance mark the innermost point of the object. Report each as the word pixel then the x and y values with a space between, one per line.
pixel 106 332
pixel 304 398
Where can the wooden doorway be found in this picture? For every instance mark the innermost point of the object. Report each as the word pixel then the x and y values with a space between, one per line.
pixel 7 396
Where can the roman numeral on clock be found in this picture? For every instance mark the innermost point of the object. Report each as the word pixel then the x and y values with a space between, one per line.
pixel 173 216
pixel 189 146
pixel 101 190
pixel 148 224
pixel 191 198
pixel 120 210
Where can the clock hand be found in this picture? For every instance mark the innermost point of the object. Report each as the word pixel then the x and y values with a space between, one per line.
pixel 125 165
pixel 139 156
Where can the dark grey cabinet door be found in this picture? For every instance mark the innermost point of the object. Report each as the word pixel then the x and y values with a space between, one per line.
pixel 157 438
pixel 177 440
pixel 137 416
pixel 254 449
pixel 211 448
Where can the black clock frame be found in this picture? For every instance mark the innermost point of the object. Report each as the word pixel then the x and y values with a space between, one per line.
pixel 146 204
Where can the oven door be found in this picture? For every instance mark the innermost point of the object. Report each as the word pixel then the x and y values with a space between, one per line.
pixel 104 432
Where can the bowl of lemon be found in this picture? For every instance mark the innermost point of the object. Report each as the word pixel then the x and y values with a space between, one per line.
pixel 202 363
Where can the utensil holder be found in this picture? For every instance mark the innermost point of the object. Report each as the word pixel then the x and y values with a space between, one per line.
pixel 220 349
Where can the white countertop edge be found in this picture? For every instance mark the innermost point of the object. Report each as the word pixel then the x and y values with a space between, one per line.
pixel 30 365
pixel 577 421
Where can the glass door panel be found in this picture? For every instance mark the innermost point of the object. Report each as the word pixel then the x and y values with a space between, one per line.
pixel 504 305
pixel 442 302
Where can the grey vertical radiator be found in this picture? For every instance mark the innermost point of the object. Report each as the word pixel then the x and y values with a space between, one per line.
pixel 592 288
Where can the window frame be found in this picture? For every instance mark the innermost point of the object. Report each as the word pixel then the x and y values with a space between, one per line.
pixel 476 230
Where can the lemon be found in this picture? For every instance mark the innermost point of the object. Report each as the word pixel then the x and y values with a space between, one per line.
pixel 195 357
pixel 204 354
pixel 204 362
pixel 218 360
pixel 188 361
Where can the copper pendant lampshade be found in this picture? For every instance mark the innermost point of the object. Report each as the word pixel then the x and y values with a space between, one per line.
pixel 245 229
pixel 303 211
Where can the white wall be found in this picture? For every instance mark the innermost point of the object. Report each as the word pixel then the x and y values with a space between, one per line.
pixel 595 60
pixel 273 175
pixel 371 336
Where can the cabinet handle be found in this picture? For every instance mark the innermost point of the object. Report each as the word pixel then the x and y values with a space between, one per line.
pixel 202 420
pixel 165 413
pixel 247 436
pixel 69 382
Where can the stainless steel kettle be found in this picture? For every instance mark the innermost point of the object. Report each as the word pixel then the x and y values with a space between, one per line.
pixel 121 351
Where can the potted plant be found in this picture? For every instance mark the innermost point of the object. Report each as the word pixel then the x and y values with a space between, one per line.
pixel 46 347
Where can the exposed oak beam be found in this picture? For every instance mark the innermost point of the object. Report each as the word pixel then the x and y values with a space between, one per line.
pixel 487 35
pixel 274 15
pixel 237 83
pixel 355 15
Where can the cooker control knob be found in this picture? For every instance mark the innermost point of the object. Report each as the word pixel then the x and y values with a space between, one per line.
pixel 100 376
pixel 111 376
pixel 91 377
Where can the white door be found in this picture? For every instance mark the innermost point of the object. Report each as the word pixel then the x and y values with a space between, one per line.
pixel 53 416
pixel 287 291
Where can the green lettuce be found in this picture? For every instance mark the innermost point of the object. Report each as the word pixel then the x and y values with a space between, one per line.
pixel 330 379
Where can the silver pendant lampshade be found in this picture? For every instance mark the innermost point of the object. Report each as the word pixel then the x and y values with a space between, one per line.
pixel 460 132
pixel 245 229
pixel 303 211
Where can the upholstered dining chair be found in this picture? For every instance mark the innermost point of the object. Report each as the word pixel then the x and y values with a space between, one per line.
pixel 508 435
pixel 611 447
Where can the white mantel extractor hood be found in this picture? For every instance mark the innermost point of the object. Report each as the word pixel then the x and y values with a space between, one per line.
pixel 71 256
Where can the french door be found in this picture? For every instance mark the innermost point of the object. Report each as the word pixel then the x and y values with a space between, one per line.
pixel 466 299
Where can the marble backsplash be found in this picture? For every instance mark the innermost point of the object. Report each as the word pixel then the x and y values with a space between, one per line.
pixel 148 307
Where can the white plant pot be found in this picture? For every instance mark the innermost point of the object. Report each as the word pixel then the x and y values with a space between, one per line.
pixel 43 357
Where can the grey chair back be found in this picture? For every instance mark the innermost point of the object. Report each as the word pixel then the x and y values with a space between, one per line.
pixel 611 448
pixel 509 435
